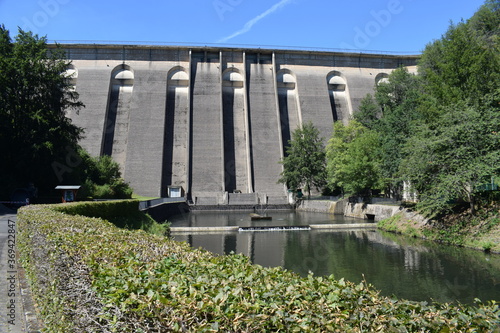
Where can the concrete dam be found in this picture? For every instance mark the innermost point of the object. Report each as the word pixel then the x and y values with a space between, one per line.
pixel 211 124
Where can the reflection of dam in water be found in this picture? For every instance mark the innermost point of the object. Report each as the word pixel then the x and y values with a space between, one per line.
pixel 408 268
pixel 203 122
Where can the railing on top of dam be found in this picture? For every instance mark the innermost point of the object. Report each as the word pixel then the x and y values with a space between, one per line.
pixel 237 46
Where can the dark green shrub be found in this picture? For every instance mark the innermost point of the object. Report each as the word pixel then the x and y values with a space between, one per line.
pixel 123 214
pixel 100 178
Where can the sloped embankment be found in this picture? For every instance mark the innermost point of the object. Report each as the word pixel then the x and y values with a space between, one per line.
pixel 90 276
pixel 480 231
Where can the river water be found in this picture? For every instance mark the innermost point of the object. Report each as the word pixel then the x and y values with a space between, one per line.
pixel 408 268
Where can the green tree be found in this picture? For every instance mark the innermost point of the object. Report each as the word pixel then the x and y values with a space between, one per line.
pixel 464 63
pixel 34 97
pixel 448 157
pixel 398 105
pixel 353 158
pixel 369 112
pixel 304 163
pixel 38 143
pixel 446 162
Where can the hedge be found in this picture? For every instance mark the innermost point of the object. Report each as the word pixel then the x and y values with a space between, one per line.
pixel 88 275
pixel 122 213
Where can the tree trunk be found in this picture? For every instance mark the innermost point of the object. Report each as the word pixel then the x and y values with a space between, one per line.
pixel 472 202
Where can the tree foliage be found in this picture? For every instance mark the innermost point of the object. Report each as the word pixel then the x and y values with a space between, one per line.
pixel 34 97
pixel 464 64
pixel 101 178
pixel 439 129
pixel 448 158
pixel 353 158
pixel 392 113
pixel 38 142
pixel 304 163
pixel 447 162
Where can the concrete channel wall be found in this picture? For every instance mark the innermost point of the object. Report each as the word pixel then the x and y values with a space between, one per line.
pixel 371 212
pixel 323 206
pixel 375 212
pixel 213 120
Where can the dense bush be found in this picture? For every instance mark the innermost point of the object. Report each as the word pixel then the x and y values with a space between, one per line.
pixel 101 178
pixel 123 214
pixel 90 276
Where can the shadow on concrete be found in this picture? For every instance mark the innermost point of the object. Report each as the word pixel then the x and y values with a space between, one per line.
pixel 4 210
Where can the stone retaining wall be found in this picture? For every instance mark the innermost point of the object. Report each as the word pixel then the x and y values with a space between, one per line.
pixel 323 206
pixel 371 212
pixel 358 210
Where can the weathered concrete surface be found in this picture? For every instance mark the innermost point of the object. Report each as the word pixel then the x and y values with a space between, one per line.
pixel 162 212
pixel 375 212
pixel 371 212
pixel 265 132
pixel 323 206
pixel 207 178
pixel 146 126
pixel 203 229
pixel 343 226
pixel 213 120
pixel 243 199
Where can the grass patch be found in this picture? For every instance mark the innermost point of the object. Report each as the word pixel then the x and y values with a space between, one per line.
pixel 399 224
pixel 136 196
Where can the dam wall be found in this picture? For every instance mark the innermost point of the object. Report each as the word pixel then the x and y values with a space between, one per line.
pixel 202 122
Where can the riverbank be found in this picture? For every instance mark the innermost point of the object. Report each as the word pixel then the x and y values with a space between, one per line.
pixel 480 231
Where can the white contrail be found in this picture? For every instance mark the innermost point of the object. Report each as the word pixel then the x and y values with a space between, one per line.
pixel 253 21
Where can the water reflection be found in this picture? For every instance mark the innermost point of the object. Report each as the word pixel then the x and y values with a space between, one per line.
pixel 408 268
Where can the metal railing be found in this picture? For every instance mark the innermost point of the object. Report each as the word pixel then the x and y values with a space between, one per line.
pixel 238 46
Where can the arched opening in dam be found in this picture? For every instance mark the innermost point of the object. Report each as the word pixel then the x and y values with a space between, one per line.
pixel 381 78
pixel 117 115
pixel 288 101
pixel 338 93
pixel 175 151
pixel 71 75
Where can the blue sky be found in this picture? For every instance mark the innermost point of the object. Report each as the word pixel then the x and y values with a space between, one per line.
pixel 401 26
